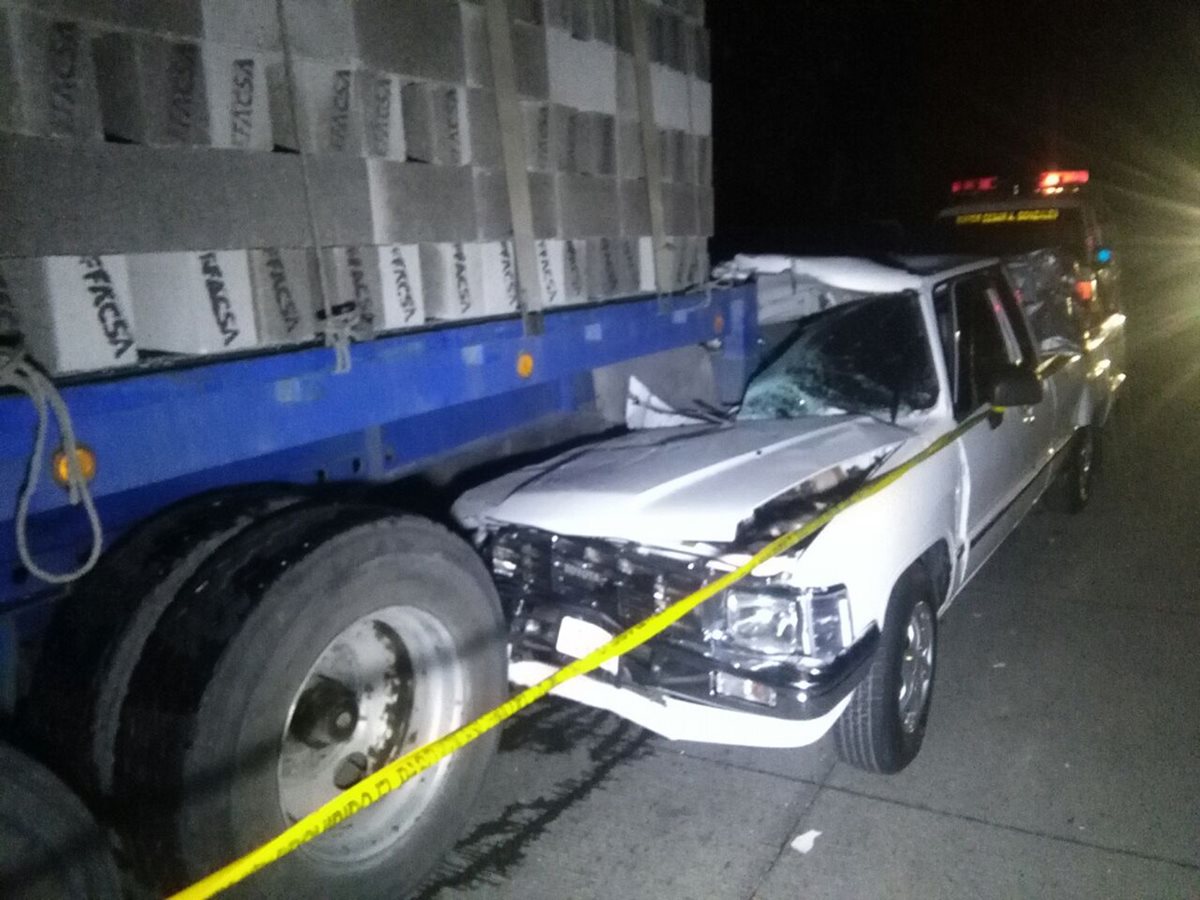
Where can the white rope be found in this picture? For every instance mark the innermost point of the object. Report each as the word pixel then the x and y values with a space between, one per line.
pixel 18 371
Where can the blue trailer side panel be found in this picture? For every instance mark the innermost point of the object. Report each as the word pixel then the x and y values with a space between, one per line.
pixel 161 435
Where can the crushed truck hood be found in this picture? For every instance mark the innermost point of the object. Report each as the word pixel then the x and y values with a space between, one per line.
pixel 696 483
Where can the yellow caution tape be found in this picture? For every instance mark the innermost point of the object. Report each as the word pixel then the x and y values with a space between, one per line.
pixel 378 785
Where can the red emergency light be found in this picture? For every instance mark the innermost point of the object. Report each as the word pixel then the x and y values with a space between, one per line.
pixel 1058 179
pixel 974 185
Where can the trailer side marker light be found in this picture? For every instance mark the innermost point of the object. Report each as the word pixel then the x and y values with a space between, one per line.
pixel 61 470
pixel 718 323
pixel 524 364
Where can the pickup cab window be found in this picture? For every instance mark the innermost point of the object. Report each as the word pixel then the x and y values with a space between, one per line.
pixel 868 356
pixel 980 336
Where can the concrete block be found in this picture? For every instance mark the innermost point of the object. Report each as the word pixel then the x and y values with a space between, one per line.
pixel 328 104
pixel 634 201
pixel 105 198
pixel 196 302
pixel 286 287
pixel 700 50
pixel 704 161
pixel 476 54
pixel 672 108
pixel 530 52
pixel 547 129
pixel 685 157
pixel 700 101
pixel 239 108
pixel 10 319
pixel 597 132
pixel 603 278
pixel 47 79
pixel 631 158
pixel 694 10
pixel 580 13
pixel 547 212
pixel 436 128
pixel 320 29
pixel 526 11
pixel 382 114
pixel 151 89
pixel 483 126
pixel 415 203
pixel 498 278
pixel 647 273
pixel 557 14
pixel 453 279
pixel 627 101
pixel 402 299
pixel 574 141
pixel 604 24
pixel 493 216
pixel 74 312
pixel 667 39
pixel 707 218
pixel 666 154
pixel 629 266
pixel 623 24
pixel 352 286
pixel 422 38
pixel 680 209
pixel 563 269
pixel 588 205
pixel 250 24
pixel 346 201
pixel 583 74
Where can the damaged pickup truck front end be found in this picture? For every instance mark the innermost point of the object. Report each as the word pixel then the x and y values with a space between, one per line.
pixel 768 662
pixel 765 647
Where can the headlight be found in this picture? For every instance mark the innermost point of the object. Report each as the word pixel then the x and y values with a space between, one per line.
pixel 781 621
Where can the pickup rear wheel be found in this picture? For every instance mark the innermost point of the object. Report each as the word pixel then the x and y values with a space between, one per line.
pixel 882 728
pixel 309 651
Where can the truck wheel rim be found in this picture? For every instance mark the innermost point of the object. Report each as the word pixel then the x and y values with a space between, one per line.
pixel 916 666
pixel 386 684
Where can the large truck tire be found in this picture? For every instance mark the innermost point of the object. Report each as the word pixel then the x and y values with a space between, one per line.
pixel 50 846
pixel 882 728
pixel 307 652
pixel 101 626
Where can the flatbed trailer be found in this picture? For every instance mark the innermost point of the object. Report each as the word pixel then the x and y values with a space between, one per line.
pixel 413 406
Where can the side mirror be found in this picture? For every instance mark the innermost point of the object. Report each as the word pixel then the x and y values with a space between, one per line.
pixel 1015 386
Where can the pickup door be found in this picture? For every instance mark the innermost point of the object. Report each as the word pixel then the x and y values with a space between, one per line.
pixel 983 332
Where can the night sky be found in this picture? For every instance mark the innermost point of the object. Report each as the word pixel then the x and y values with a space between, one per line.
pixel 837 121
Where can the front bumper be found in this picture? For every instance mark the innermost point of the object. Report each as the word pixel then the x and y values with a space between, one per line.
pixel 670 684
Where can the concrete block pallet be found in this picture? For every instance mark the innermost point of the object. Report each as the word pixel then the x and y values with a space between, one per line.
pixel 349 153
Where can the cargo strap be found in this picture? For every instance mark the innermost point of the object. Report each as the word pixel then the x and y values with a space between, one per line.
pixel 376 786
pixel 512 145
pixel 338 326
pixel 653 164
pixel 17 370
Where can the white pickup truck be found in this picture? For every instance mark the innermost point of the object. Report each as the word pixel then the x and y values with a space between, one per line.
pixel 863 366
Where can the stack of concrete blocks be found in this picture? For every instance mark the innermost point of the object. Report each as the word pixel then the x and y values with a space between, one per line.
pixel 241 177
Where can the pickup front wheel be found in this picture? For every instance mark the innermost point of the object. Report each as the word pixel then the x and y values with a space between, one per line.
pixel 883 727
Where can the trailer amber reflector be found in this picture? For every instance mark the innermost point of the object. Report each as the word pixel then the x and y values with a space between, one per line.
pixel 61 471
pixel 525 364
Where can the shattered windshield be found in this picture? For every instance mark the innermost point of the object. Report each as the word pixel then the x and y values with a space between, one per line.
pixel 870 356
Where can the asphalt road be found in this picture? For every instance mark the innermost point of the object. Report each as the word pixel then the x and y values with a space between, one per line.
pixel 1063 753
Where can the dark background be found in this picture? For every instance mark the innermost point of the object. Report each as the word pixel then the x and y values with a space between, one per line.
pixel 834 122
